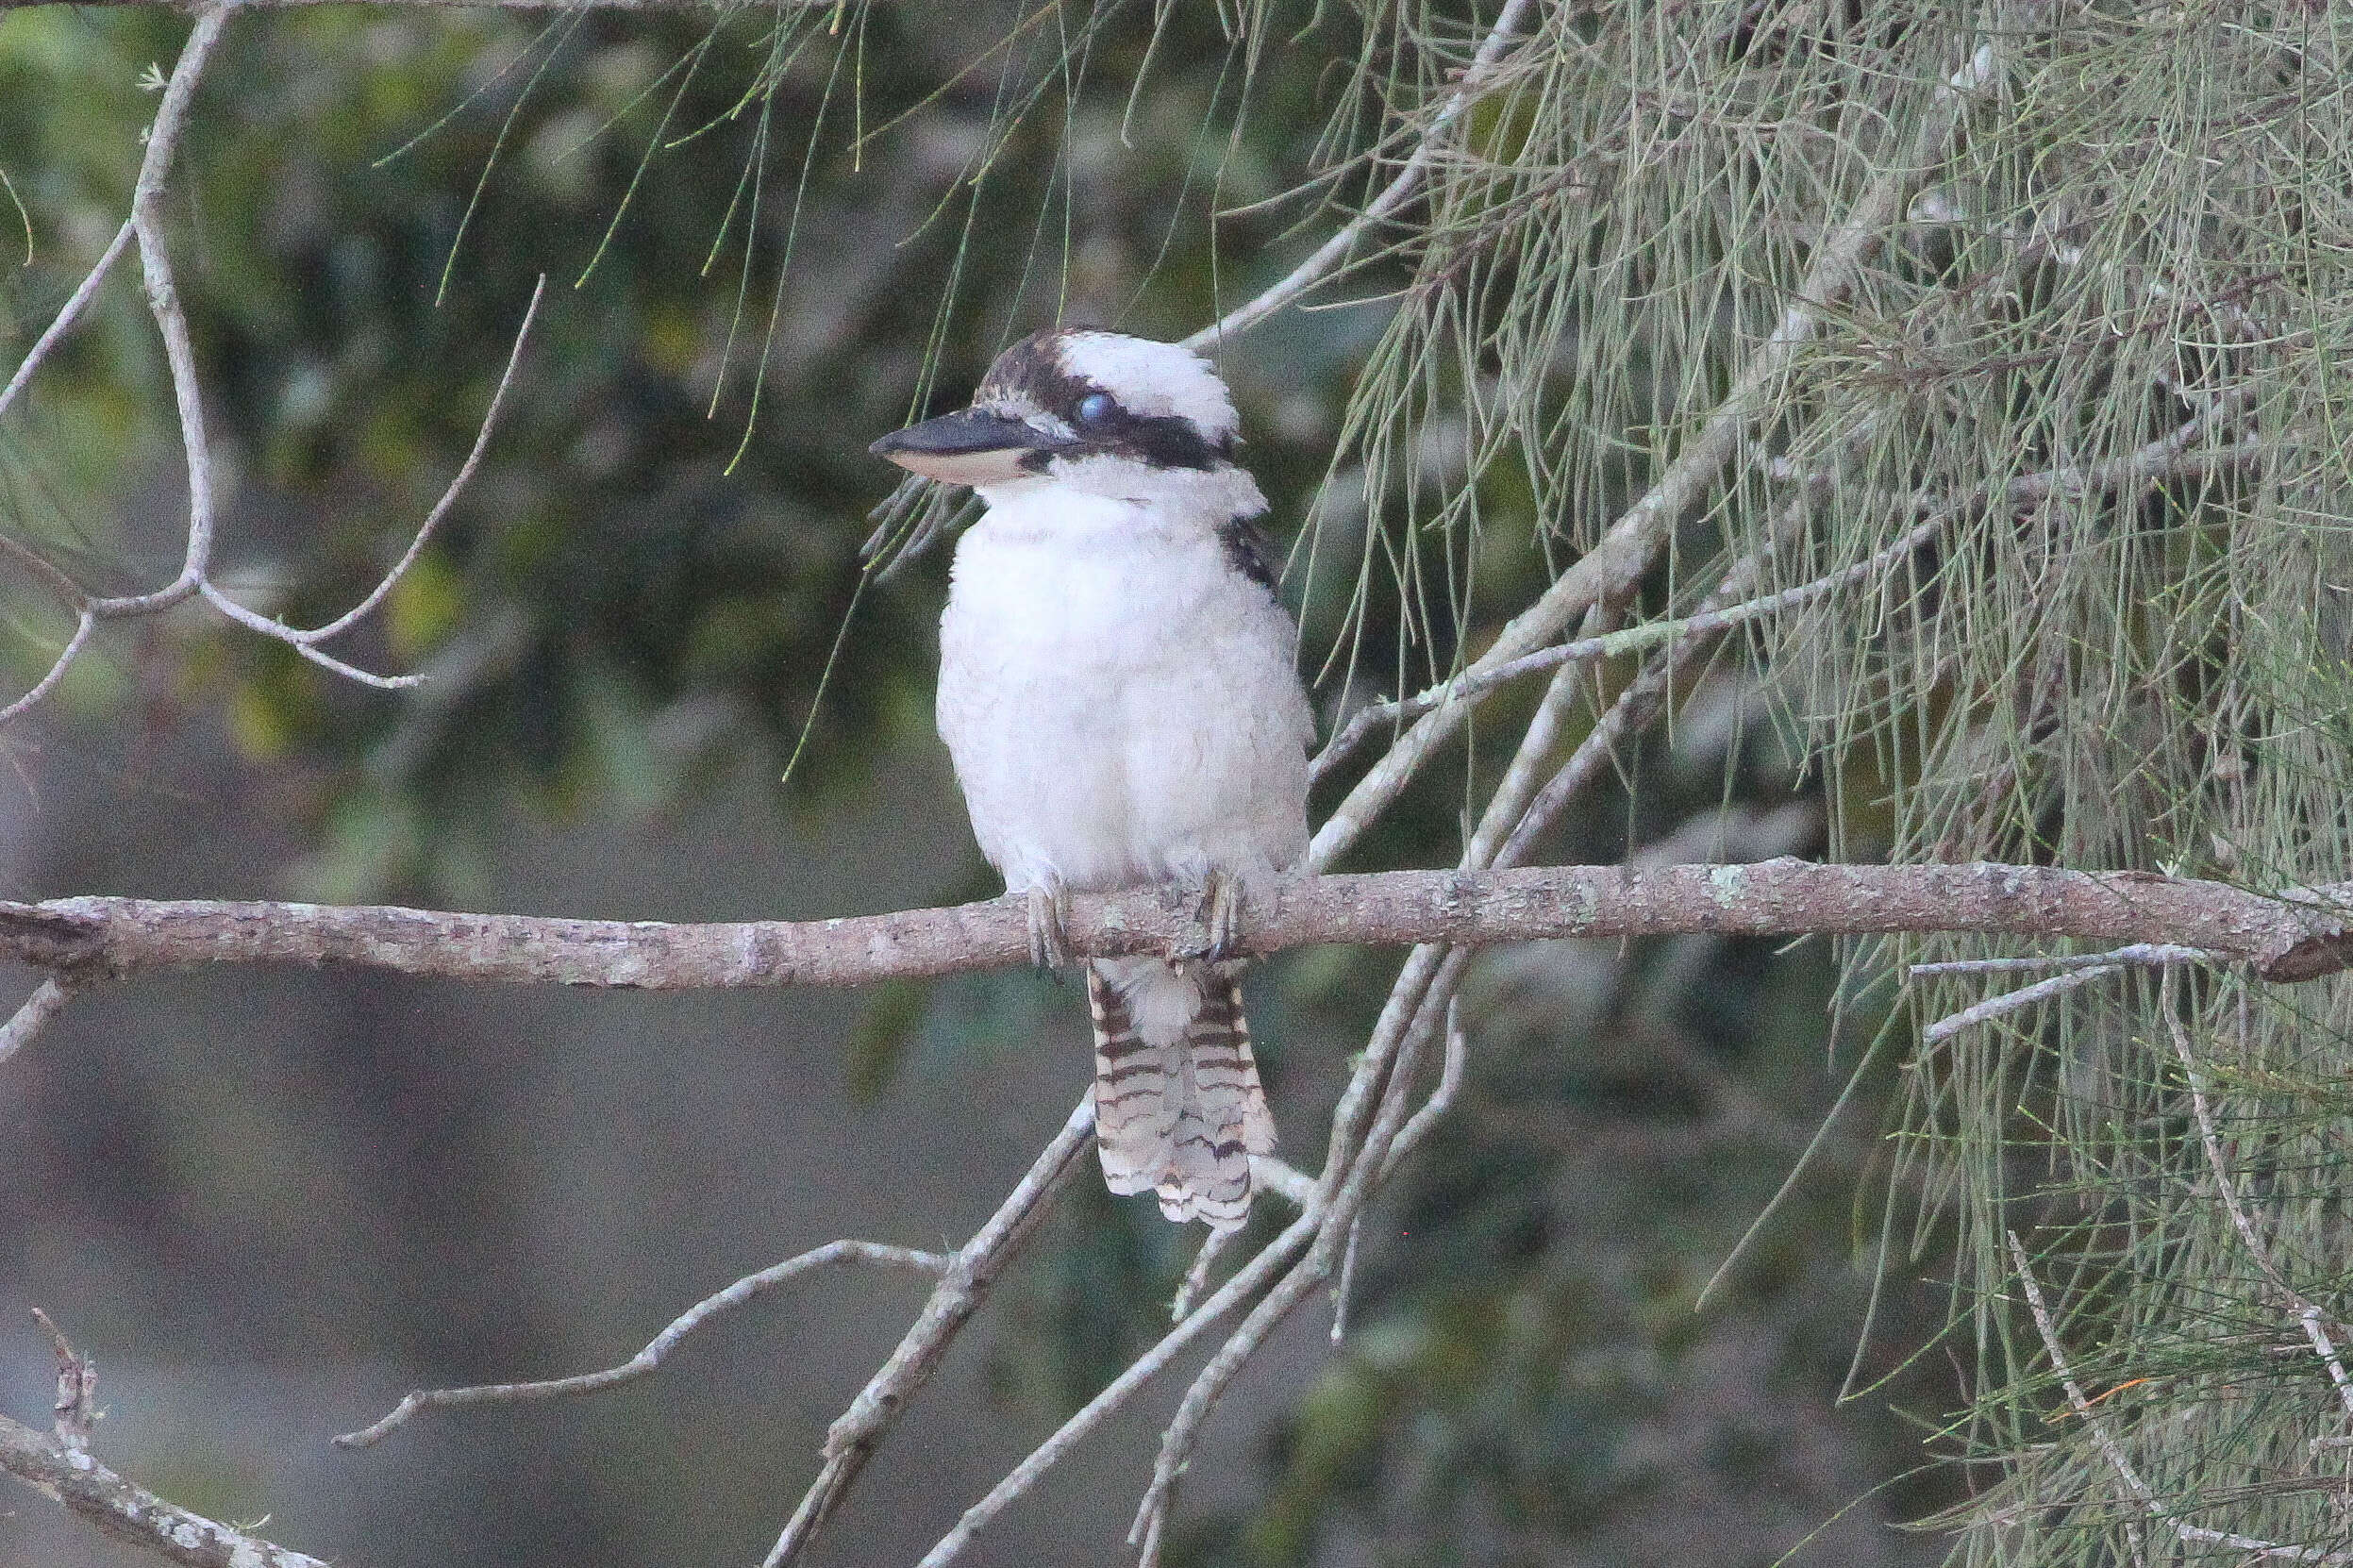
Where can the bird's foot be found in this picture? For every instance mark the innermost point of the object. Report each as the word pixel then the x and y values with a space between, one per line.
pixel 1219 908
pixel 1049 920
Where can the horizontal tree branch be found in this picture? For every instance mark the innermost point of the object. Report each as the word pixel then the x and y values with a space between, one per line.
pixel 2292 937
pixel 7 6
pixel 124 1508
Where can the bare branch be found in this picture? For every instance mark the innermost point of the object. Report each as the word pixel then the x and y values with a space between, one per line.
pixel 2253 1547
pixel 47 1000
pixel 163 303
pixel 748 1289
pixel 2025 996
pixel 2294 936
pixel 2141 954
pixel 2115 1457
pixel 1626 552
pixel 1189 1289
pixel 859 1430
pixel 2308 1313
pixel 1441 1098
pixel 1251 1278
pixel 2171 457
pixel 1476 80
pixel 147 225
pixel 67 316
pixel 303 641
pixel 657 7
pixel 2326 1348
pixel 76 1404
pixel 129 1511
pixel 83 624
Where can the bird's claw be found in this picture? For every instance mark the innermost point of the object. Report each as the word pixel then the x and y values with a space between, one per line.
pixel 1220 911
pixel 1049 920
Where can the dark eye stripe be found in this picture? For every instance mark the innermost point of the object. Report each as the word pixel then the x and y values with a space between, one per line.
pixel 1031 371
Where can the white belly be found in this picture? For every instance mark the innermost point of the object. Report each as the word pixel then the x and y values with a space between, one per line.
pixel 1120 702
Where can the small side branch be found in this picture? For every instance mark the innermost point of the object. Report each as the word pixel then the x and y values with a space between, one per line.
pixel 2139 1490
pixel 2076 969
pixel 2173 455
pixel 1478 79
pixel 1625 553
pixel 2308 1312
pixel 61 1468
pixel 67 316
pixel 145 226
pixel 47 1000
pixel 744 1291
pixel 963 1286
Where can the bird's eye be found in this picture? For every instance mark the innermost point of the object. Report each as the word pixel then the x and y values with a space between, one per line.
pixel 1095 408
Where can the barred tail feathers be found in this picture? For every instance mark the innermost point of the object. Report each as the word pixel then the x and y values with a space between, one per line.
pixel 1179 1106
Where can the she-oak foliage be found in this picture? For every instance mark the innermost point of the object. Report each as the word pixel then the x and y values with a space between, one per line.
pixel 2134 233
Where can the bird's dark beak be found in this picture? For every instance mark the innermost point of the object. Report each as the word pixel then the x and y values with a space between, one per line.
pixel 971 447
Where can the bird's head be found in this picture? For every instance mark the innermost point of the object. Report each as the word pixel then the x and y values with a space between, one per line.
pixel 1098 411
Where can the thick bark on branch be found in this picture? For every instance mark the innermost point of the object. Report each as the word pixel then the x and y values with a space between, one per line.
pixel 2290 937
pixel 130 1512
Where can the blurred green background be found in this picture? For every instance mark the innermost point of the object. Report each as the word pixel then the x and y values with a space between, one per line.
pixel 269 1202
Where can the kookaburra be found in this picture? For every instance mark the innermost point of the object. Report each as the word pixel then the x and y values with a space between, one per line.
pixel 1118 691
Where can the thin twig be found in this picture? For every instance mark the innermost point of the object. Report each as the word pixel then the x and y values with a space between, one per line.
pixel 1625 553
pixel 2311 1317
pixel 1363 1175
pixel 2050 1331
pixel 145 225
pixel 744 1291
pixel 2240 1221
pixel 47 1000
pixel 2170 456
pixel 1440 1101
pixel 1476 80
pixel 2106 1444
pixel 2308 1312
pixel 67 315
pixel 852 1438
pixel 1641 638
pixel 1252 1277
pixel 164 304
pixel 1441 1098
pixel 2012 1001
pixel 1345 1286
pixel 2079 969
pixel 2262 1548
pixel 84 625
pixel 440 508
pixel 2115 1455
pixel 2143 953
pixel 130 1512
pixel 76 1404
pixel 1196 1277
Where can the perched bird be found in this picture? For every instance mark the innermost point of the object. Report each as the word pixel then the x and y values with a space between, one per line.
pixel 1118 692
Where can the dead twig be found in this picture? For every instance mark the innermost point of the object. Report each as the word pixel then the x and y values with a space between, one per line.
pixel 47 1000
pixel 859 1429
pixel 744 1291
pixel 62 1469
